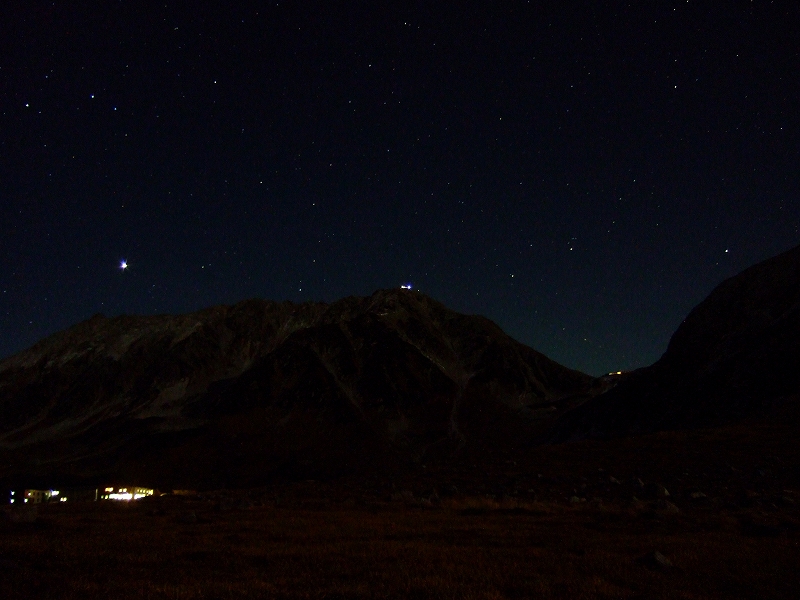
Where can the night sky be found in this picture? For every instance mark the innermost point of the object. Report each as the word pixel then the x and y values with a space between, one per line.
pixel 582 173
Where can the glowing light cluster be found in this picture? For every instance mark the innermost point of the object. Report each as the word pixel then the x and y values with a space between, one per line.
pixel 126 494
pixel 120 496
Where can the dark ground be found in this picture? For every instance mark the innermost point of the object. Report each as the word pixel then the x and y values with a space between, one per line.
pixel 548 523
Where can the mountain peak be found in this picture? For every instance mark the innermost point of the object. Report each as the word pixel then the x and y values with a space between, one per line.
pixel 249 388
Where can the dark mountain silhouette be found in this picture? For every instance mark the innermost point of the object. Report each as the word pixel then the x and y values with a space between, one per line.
pixel 736 355
pixel 234 394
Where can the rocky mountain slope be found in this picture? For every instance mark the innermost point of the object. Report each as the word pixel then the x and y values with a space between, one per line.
pixel 232 394
pixel 736 355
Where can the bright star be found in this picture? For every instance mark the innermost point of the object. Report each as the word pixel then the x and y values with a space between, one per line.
pixel 123 264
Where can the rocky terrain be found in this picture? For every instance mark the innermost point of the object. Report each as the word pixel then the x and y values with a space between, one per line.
pixel 236 396
pixel 232 395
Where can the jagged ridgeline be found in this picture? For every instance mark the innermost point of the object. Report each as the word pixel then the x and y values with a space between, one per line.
pixel 232 395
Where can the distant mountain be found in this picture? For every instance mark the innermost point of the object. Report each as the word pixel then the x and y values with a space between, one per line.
pixel 737 354
pixel 231 394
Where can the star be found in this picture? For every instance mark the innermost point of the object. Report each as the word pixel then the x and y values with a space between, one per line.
pixel 123 264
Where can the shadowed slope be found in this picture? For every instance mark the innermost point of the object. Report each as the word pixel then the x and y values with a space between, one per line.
pixel 230 394
pixel 735 355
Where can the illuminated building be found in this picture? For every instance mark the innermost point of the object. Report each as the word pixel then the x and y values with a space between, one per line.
pixel 29 496
pixel 37 496
pixel 124 493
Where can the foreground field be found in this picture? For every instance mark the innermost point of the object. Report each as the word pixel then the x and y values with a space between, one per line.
pixel 467 547
pixel 581 520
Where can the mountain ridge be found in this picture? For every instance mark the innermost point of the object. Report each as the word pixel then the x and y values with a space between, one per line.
pixel 395 372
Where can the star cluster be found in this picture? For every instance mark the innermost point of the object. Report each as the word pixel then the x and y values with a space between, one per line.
pixel 583 173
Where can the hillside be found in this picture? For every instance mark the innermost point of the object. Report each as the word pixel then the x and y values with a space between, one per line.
pixel 233 395
pixel 736 355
